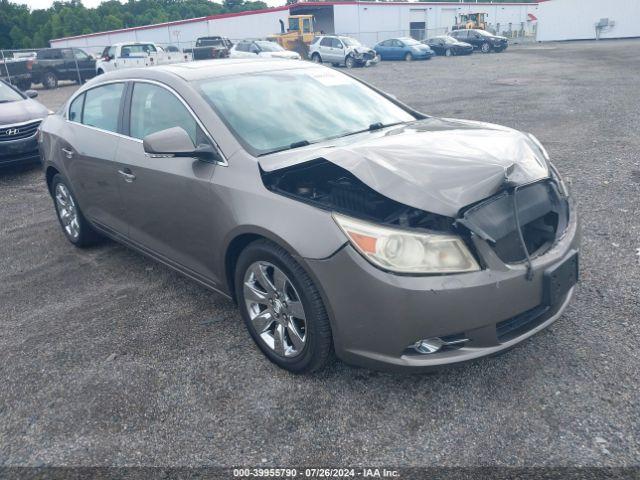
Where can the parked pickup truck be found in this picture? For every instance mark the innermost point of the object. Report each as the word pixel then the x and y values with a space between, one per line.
pixel 136 54
pixel 16 71
pixel 54 64
pixel 211 47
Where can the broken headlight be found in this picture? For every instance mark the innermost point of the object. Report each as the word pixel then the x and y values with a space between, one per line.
pixel 404 251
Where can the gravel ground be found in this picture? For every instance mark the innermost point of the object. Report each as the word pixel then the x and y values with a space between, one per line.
pixel 111 359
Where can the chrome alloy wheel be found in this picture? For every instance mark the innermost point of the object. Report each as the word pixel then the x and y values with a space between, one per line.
pixel 275 309
pixel 67 211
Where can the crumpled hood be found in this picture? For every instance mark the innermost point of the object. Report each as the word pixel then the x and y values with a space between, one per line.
pixel 21 111
pixel 437 165
pixel 362 50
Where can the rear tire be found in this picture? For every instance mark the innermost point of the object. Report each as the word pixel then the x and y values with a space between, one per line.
pixel 50 80
pixel 74 225
pixel 485 47
pixel 448 52
pixel 314 346
pixel 316 58
pixel 408 57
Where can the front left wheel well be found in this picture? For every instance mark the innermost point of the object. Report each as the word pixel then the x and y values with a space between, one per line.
pixel 234 250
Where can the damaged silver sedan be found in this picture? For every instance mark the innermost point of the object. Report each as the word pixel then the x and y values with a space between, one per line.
pixel 339 219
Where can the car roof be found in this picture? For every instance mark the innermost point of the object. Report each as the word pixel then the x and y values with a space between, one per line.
pixel 192 71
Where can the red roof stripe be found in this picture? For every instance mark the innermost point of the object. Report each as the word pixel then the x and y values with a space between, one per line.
pixel 178 22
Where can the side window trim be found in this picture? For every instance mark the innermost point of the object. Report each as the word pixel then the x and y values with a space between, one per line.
pixel 126 114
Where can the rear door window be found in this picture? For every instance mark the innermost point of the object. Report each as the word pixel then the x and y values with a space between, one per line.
pixel 326 42
pixel 102 106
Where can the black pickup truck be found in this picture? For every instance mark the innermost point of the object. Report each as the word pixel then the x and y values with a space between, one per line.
pixel 16 71
pixel 54 64
pixel 210 47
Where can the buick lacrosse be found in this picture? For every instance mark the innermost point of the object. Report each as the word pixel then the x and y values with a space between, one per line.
pixel 336 217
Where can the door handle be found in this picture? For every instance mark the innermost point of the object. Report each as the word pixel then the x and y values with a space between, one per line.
pixel 127 175
pixel 67 152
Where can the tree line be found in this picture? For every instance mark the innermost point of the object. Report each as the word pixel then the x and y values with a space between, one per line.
pixel 22 28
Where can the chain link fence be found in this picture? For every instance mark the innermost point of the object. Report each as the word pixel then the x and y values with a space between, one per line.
pixel 76 61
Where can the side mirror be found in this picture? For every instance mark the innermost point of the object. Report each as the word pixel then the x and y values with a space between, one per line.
pixel 175 142
pixel 31 93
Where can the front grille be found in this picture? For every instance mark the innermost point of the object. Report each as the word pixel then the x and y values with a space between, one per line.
pixel 543 215
pixel 520 324
pixel 9 133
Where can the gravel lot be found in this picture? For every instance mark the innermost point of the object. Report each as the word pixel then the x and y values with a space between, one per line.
pixel 111 359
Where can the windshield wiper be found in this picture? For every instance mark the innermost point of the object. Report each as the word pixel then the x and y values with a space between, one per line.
pixel 303 143
pixel 371 128
pixel 298 144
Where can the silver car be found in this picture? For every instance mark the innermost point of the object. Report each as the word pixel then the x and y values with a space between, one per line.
pixel 339 50
pixel 394 239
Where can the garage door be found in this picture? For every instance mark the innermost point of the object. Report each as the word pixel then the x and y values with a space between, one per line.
pixel 418 23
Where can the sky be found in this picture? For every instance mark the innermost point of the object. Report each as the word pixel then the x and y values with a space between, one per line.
pixel 37 4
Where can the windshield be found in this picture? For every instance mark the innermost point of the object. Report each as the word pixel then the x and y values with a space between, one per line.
pixel 350 42
pixel 269 46
pixel 274 111
pixel 409 41
pixel 8 94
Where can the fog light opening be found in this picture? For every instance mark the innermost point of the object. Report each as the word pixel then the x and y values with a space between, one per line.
pixel 432 345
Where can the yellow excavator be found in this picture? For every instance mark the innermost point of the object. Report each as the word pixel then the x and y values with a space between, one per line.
pixel 298 34
pixel 471 20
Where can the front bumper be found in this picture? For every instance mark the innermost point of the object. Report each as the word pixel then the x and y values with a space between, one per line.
pixel 423 55
pixel 366 59
pixel 377 315
pixel 500 45
pixel 19 151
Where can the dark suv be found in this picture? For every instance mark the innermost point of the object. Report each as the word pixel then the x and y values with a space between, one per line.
pixel 481 40
pixel 54 64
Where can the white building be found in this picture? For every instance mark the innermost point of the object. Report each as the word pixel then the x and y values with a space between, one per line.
pixel 368 21
pixel 577 19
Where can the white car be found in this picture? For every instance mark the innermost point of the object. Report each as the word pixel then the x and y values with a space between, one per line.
pixel 261 48
pixel 136 54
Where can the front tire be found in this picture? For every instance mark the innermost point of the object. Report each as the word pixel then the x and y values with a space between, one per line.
pixel 50 80
pixel 349 62
pixel 282 308
pixel 74 225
